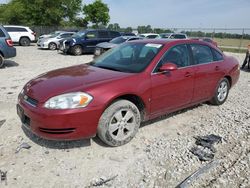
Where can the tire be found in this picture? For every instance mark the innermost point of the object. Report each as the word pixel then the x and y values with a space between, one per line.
pixel 24 41
pixel 119 123
pixel 52 46
pixel 1 61
pixel 221 92
pixel 77 50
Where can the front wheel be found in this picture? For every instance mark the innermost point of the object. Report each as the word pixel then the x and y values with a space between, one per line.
pixel 52 46
pixel 77 50
pixel 221 93
pixel 1 61
pixel 119 123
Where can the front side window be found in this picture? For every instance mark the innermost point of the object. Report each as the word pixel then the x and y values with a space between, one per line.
pixel 128 57
pixel 201 53
pixel 179 55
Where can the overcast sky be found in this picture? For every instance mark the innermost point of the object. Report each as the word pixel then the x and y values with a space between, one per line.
pixel 179 13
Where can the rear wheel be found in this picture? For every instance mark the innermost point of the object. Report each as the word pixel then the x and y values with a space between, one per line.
pixel 52 46
pixel 1 61
pixel 221 93
pixel 77 50
pixel 119 123
pixel 24 41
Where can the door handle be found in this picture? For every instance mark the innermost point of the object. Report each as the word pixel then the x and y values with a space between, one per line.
pixel 217 68
pixel 188 74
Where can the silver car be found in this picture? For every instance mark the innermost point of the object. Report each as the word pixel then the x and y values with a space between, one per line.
pixel 52 42
pixel 47 36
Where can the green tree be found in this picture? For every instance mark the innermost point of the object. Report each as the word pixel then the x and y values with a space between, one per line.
pixel 40 12
pixel 97 13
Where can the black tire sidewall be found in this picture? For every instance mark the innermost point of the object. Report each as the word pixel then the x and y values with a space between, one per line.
pixel 1 61
pixel 104 121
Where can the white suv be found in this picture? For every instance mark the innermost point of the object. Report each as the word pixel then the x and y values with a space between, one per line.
pixel 20 34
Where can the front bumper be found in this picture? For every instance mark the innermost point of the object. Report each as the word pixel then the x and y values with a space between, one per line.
pixel 72 124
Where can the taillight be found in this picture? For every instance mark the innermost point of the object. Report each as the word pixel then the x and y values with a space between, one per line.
pixel 9 42
pixel 34 33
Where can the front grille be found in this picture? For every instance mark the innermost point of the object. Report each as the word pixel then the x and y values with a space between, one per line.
pixel 57 131
pixel 30 101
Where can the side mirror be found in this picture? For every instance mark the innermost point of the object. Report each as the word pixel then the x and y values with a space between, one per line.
pixel 168 67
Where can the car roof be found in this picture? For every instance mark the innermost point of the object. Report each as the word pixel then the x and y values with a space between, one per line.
pixel 16 26
pixel 174 41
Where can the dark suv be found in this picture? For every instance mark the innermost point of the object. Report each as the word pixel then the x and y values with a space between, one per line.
pixel 85 41
pixel 6 46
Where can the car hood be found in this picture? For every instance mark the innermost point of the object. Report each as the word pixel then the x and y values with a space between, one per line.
pixel 106 45
pixel 70 79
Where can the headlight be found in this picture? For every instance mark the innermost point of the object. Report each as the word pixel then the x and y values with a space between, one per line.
pixel 69 101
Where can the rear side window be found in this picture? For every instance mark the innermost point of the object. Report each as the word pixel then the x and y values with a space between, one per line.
pixel 114 34
pixel 15 29
pixel 91 35
pixel 202 54
pixel 2 33
pixel 103 34
pixel 217 55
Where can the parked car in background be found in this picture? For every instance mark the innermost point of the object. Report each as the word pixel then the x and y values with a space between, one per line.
pixel 53 41
pixel 6 46
pixel 21 34
pixel 50 34
pixel 149 35
pixel 85 41
pixel 135 82
pixel 206 39
pixel 172 36
pixel 105 46
pixel 47 36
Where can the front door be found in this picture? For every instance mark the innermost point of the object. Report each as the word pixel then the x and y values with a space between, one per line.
pixel 174 89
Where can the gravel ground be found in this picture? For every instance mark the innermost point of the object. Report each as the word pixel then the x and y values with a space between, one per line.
pixel 159 155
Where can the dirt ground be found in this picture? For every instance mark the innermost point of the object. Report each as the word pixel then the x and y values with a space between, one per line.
pixel 159 155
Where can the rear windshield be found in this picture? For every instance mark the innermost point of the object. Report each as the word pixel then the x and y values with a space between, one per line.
pixel 2 33
pixel 118 40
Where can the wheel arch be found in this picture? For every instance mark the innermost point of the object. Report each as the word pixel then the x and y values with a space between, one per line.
pixel 135 99
pixel 229 79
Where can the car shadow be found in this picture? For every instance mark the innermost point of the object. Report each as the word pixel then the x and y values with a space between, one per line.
pixel 52 144
pixel 245 70
pixel 166 116
pixel 9 63
pixel 98 141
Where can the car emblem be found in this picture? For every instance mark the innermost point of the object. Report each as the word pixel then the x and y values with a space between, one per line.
pixel 25 97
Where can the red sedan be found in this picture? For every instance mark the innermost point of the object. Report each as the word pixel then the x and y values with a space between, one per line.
pixel 134 82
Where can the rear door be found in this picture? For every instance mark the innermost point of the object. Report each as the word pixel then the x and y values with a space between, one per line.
pixel 208 71
pixel 174 89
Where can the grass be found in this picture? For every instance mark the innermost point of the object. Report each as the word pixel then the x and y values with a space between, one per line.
pixel 236 43
pixel 233 50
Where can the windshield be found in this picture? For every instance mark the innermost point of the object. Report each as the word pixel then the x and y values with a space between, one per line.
pixel 129 57
pixel 118 40
pixel 79 34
